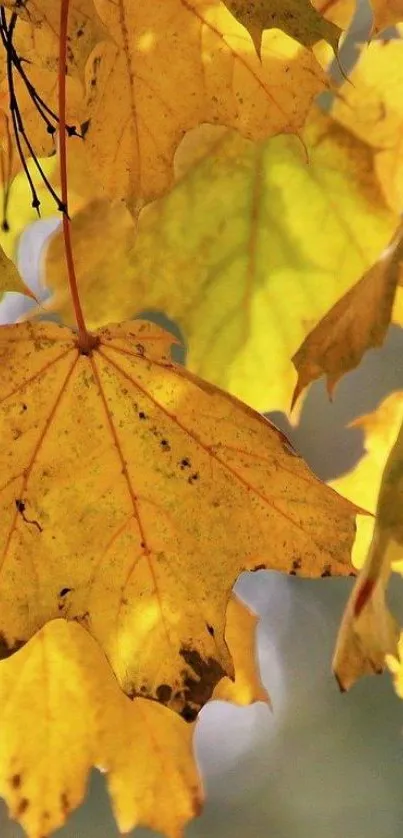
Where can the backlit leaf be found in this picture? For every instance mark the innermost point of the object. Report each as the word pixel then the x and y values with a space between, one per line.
pixel 122 474
pixel 37 32
pixel 136 117
pixel 247 253
pixel 63 693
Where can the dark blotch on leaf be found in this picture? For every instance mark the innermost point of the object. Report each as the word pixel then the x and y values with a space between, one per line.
pixel 296 565
pixel 193 477
pixel 326 571
pixel 163 693
pixel 84 127
pixel 185 463
pixel 210 629
pixel 15 781
pixel 20 505
pixel 258 567
pixel 6 650
pixel 165 445
pixel 189 714
pixel 142 415
pixel 64 802
pixel 22 806
pixel 64 591
pixel 198 690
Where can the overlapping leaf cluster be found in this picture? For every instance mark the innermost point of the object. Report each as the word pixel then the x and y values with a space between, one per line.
pixel 205 181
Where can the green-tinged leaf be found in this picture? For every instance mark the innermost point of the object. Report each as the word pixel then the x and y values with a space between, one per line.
pixel 248 253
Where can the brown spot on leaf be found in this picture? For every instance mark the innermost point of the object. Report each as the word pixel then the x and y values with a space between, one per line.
pixel 7 649
pixel 15 781
pixel 326 571
pixel 199 689
pixel 64 803
pixel 295 567
pixel 210 629
pixel 163 693
pixel 22 806
pixel 185 463
pixel 258 567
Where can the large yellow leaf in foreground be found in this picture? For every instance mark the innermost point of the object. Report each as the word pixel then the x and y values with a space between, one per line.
pixel 368 631
pixel 174 65
pixel 247 253
pixel 133 495
pixel 62 691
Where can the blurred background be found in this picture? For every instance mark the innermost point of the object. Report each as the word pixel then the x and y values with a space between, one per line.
pixel 321 764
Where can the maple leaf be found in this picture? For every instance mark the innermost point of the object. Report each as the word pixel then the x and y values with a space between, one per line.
pixel 86 720
pixel 38 31
pixel 79 709
pixel 356 323
pixel 297 18
pixel 250 248
pixel 119 526
pixel 370 106
pixel 135 118
pixel 368 631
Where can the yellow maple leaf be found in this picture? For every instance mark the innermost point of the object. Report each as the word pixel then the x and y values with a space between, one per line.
pixel 357 322
pixel 298 18
pixel 368 630
pixel 120 474
pixel 80 710
pixel 136 117
pixel 37 32
pixel 248 230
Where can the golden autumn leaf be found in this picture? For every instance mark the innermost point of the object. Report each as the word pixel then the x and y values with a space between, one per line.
pixel 145 750
pixel 368 630
pixel 250 228
pixel 357 322
pixel 79 710
pixel 370 106
pixel 37 33
pixel 297 18
pixel 120 474
pixel 135 117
